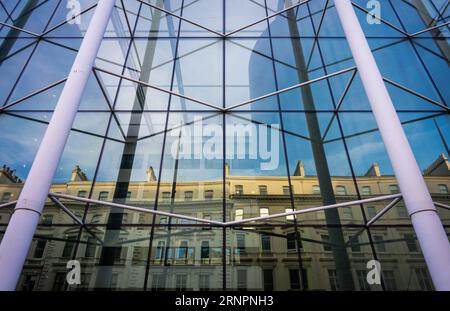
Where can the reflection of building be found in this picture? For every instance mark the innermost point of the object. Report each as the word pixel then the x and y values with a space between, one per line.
pixel 154 72
pixel 258 256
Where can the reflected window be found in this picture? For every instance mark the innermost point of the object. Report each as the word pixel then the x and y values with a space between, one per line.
pixel 266 243
pixel 239 214
pixel 326 242
pixel 316 189
pixel 366 190
pixel 96 219
pixel 443 189
pixel 286 190
pixel 68 248
pixel 341 190
pixel 240 242
pixel 182 250
pixel 355 244
pixel 181 282
pixel 389 280
pixel 242 279
pixel 332 277
pixel 166 196
pixel 91 247
pixel 423 278
pixel 294 278
pixel 262 189
pixel 268 279
pixel 103 195
pixel 209 194
pixel 393 189
pixel 207 217
pixel 124 218
pixel 291 241
pixel 163 220
pixel 320 215
pixel 362 280
pixel 114 280
pixel 141 219
pixel 188 195
pixel 159 250
pixel 203 282
pixel 204 252
pixel 40 248
pixel 411 243
pixel 6 196
pixel 402 211
pixel 158 281
pixel 239 189
pixel 129 193
pixel 82 193
pixel 263 211
pixel 379 244
pixel 347 213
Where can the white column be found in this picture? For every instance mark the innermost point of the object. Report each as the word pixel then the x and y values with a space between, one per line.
pixel 22 226
pixel 425 220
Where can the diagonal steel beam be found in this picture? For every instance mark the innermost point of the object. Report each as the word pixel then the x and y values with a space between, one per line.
pixel 383 211
pixel 158 88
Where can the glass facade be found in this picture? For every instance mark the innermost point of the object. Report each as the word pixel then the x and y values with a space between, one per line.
pixel 224 110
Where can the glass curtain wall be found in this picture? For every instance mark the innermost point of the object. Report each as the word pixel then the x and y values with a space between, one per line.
pixel 224 110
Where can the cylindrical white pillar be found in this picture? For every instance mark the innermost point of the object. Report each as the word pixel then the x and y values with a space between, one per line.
pixel 425 220
pixel 22 226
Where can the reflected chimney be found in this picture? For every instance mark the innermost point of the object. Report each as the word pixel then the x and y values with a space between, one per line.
pixel 151 174
pixel 78 174
pixel 299 169
pixel 374 171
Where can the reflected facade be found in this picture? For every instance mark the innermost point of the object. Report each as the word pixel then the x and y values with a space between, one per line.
pixel 178 118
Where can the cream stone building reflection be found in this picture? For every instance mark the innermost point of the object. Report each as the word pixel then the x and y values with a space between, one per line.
pixel 258 256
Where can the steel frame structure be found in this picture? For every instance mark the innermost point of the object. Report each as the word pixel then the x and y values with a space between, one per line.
pixel 422 210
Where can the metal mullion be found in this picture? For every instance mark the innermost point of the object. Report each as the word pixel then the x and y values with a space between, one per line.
pixel 266 18
pixel 341 100
pixel 316 36
pixel 7 13
pixel 224 150
pixel 290 88
pixel 286 158
pixel 46 122
pixel 398 85
pixel 62 23
pixel 272 58
pixel 111 110
pixel 19 50
pixel 283 131
pixel 181 18
pixel 97 169
pixel 161 164
pixel 19 77
pixel 157 88
pixel 381 20
pixel 376 129
pixel 37 92
pixel 430 77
